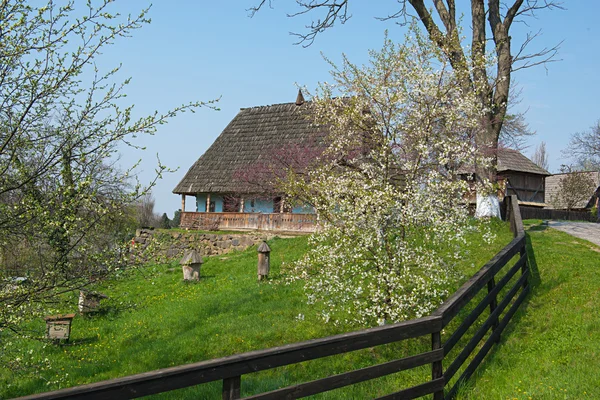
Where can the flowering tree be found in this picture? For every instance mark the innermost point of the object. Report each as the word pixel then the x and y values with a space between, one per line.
pixel 62 200
pixel 388 189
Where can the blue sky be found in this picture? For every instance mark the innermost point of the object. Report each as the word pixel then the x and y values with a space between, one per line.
pixel 202 50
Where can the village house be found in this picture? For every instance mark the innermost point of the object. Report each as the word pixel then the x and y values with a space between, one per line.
pixel 586 202
pixel 232 180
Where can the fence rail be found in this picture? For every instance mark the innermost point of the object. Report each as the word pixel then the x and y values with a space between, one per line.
pixel 231 369
pixel 545 213
pixel 249 221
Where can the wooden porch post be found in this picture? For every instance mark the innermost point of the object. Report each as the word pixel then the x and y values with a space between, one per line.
pixel 207 202
pixel 183 203
pixel 242 204
pixel 281 204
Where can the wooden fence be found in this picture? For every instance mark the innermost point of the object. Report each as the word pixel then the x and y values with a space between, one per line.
pixel 545 213
pixel 490 286
pixel 249 221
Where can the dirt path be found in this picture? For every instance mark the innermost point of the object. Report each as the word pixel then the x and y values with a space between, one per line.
pixel 585 230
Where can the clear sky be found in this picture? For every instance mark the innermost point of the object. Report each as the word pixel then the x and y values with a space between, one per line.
pixel 202 50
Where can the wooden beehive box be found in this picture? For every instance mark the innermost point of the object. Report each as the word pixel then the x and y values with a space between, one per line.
pixel 89 301
pixel 58 327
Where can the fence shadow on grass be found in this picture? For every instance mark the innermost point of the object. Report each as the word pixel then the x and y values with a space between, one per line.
pixel 535 279
pixel 495 353
pixel 537 228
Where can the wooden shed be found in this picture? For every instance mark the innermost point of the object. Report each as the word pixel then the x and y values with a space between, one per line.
pixel 522 177
pixel 517 175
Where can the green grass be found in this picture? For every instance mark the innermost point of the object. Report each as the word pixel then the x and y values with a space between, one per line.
pixel 154 320
pixel 551 349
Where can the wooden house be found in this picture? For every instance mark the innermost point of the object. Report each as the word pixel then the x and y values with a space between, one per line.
pixel 520 176
pixel 230 182
pixel 517 175
pixel 553 187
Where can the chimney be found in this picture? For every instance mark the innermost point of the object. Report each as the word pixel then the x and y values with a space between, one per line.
pixel 300 98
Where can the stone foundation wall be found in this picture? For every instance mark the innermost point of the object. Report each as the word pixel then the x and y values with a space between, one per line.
pixel 165 245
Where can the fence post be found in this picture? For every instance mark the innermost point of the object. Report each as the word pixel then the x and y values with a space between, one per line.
pixel 493 304
pixel 519 230
pixel 231 388
pixel 523 252
pixel 436 366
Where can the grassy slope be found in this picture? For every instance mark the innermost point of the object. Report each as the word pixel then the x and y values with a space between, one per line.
pixel 551 350
pixel 158 321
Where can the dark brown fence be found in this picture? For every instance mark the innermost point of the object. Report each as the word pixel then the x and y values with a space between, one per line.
pixel 544 213
pixel 246 221
pixel 488 289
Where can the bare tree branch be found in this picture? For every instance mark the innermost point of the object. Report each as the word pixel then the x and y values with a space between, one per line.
pixel 511 13
pixel 542 57
pixel 253 10
pixel 584 148
pixel 540 157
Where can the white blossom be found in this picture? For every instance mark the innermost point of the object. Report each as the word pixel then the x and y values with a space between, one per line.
pixel 388 189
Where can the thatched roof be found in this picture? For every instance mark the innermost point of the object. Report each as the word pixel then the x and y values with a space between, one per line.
pixel 553 187
pixel 512 160
pixel 253 136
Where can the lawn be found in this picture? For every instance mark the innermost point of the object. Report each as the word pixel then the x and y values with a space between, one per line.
pixel 154 320
pixel 551 350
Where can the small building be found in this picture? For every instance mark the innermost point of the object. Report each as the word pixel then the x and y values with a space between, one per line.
pixel 586 202
pixel 516 175
pixel 231 183
pixel 522 177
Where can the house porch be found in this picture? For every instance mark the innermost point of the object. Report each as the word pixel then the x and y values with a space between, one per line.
pixel 290 222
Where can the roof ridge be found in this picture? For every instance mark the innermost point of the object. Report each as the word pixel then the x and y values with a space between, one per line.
pixel 577 172
pixel 276 104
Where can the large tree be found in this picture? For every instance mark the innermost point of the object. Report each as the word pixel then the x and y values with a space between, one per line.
pixel 490 24
pixel 61 122
pixel 540 157
pixel 144 212
pixel 584 148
